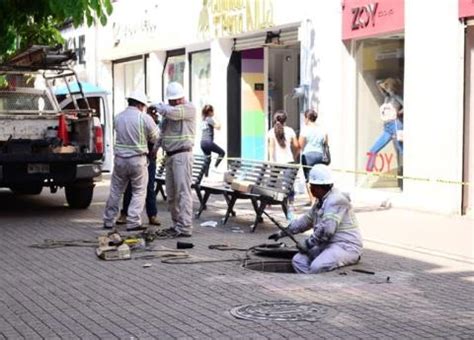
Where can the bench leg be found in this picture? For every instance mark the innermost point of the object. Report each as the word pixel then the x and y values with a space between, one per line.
pixel 230 208
pixel 159 189
pixel 227 199
pixel 284 207
pixel 203 203
pixel 258 218
pixel 197 188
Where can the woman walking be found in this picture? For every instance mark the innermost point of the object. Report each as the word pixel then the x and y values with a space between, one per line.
pixel 283 147
pixel 311 141
pixel 207 140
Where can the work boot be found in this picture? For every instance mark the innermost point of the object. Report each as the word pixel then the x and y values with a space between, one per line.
pixel 153 220
pixel 137 228
pixel 122 219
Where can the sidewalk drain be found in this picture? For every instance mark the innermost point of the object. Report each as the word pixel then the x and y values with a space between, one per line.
pixel 272 266
pixel 283 310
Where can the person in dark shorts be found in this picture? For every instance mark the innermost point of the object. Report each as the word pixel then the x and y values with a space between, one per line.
pixel 207 140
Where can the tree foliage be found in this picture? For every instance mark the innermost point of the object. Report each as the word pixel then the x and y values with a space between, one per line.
pixel 27 22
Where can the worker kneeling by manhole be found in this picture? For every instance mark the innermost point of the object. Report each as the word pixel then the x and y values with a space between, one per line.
pixel 270 266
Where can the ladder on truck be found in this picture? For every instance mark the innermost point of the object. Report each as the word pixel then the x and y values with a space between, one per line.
pixel 53 62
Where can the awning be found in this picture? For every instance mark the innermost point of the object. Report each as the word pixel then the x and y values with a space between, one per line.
pixel 86 88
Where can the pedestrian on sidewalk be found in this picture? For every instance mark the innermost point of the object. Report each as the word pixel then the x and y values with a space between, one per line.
pixel 177 139
pixel 209 123
pixel 150 202
pixel 311 141
pixel 133 130
pixel 283 148
pixel 336 240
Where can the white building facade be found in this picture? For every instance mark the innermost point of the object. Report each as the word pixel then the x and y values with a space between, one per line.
pixel 245 57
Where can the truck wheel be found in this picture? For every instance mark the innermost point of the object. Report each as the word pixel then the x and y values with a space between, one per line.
pixel 31 189
pixel 79 195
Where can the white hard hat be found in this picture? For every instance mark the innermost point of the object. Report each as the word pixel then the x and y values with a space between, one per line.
pixel 174 90
pixel 320 175
pixel 139 96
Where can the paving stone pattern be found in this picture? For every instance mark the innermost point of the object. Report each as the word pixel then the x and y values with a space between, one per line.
pixel 68 293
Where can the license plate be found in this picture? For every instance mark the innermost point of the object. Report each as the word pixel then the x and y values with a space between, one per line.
pixel 38 168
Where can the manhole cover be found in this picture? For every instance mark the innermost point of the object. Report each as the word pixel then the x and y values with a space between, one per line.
pixel 283 311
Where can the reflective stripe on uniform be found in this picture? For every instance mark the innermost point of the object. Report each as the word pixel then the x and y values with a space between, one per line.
pixel 178 138
pixel 334 217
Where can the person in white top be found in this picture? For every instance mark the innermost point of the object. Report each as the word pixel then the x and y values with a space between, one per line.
pixel 311 141
pixel 283 145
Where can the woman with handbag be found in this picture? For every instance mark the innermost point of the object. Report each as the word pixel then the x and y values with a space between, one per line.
pixel 314 143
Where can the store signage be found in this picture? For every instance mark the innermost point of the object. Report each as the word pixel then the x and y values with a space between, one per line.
pixel 220 18
pixel 466 8
pixel 127 27
pixel 362 18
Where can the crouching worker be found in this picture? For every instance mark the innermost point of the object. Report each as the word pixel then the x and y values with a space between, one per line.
pixel 336 240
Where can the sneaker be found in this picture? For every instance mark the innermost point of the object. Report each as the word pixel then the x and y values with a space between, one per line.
pixel 122 219
pixel 107 227
pixel 137 228
pixel 153 220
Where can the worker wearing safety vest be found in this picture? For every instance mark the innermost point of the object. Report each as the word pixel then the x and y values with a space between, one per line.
pixel 177 139
pixel 336 240
pixel 134 129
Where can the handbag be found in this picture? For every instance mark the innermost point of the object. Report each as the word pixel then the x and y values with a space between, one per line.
pixel 326 159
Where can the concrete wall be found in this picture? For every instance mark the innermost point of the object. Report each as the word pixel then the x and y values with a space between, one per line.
pixel 433 104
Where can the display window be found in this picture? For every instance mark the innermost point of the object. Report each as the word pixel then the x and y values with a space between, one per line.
pixel 200 85
pixel 174 68
pixel 200 73
pixel 128 76
pixel 380 112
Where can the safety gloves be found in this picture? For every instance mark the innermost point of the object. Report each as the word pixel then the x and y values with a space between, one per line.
pixel 276 236
pixel 302 246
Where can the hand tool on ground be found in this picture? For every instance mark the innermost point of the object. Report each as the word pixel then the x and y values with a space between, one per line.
pixel 283 229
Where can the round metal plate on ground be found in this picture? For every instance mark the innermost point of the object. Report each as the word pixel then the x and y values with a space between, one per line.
pixel 283 310
pixel 280 250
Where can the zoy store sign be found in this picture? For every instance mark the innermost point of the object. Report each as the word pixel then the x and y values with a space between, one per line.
pixel 363 18
pixel 229 17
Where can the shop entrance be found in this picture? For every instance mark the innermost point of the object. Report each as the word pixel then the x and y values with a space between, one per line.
pixel 468 157
pixel 283 76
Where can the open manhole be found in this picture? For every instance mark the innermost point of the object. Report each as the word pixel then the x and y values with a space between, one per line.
pixel 272 266
pixel 283 310
pixel 278 250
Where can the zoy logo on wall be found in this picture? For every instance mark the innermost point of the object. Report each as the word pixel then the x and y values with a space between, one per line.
pixel 364 15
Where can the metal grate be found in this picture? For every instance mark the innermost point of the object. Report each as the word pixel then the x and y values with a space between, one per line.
pixel 283 310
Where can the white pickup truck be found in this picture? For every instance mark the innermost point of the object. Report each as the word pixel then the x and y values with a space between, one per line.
pixel 42 144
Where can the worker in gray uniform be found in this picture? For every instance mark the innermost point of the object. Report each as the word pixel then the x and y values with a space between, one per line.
pixel 178 128
pixel 336 240
pixel 134 129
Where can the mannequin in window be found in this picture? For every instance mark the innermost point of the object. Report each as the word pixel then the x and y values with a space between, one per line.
pixel 391 113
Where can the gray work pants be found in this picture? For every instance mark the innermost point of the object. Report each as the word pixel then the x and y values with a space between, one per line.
pixel 324 259
pixel 179 171
pixel 133 170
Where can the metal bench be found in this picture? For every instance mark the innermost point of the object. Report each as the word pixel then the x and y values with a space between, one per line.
pixel 270 184
pixel 200 165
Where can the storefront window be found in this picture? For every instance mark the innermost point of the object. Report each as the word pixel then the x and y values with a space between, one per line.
pixel 174 69
pixel 128 76
pixel 200 86
pixel 380 67
pixel 201 78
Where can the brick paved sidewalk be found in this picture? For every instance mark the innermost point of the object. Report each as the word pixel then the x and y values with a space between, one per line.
pixel 69 293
